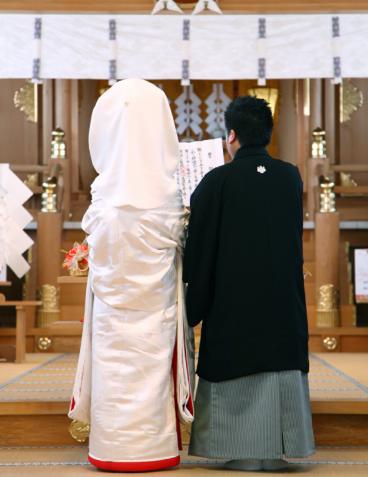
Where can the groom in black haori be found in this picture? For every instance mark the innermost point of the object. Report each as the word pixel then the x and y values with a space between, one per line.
pixel 244 269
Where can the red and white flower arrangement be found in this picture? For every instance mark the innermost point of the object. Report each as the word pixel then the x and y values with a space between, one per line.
pixel 76 259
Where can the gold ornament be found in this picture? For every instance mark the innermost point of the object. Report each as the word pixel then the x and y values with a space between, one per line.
pixel 327 195
pixel 101 91
pixel 347 180
pixel 58 146
pixel 49 310
pixel 330 343
pixel 49 196
pixel 327 307
pixel 268 94
pixel 79 272
pixel 351 99
pixel 318 147
pixel 31 180
pixel 26 100
pixel 44 343
pixel 79 431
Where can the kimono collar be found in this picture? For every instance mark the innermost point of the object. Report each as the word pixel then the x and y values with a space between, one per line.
pixel 248 151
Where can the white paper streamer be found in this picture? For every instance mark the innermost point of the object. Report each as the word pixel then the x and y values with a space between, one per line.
pixel 13 218
pixel 188 113
pixel 202 5
pixel 217 103
pixel 166 5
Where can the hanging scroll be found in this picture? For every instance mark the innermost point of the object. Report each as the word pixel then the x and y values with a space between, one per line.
pixel 197 158
pixel 361 275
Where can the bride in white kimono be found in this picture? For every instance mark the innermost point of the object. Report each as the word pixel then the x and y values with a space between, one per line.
pixel 133 333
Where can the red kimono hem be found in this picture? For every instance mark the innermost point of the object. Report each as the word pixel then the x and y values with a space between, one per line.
pixel 135 466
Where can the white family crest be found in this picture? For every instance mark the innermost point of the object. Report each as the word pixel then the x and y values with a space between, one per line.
pixel 261 169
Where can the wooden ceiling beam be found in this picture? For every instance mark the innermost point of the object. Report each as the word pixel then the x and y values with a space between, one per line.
pixel 145 6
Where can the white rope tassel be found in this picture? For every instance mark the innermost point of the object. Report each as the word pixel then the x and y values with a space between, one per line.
pixel 36 63
pixel 336 50
pixel 261 52
pixel 202 5
pixel 161 5
pixel 112 52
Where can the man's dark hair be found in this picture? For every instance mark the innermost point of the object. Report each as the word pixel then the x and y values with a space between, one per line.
pixel 251 119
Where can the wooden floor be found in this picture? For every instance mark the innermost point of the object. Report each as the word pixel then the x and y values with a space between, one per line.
pixel 34 399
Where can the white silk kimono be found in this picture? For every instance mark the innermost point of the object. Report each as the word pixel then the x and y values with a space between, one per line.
pixel 134 317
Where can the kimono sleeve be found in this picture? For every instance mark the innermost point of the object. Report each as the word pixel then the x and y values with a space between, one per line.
pixel 201 248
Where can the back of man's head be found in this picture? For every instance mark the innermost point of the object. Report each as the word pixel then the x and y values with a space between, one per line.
pixel 251 120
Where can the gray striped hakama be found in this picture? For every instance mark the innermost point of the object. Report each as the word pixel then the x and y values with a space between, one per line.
pixel 261 416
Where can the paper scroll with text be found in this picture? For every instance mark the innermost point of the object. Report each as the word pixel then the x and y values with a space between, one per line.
pixel 361 275
pixel 196 159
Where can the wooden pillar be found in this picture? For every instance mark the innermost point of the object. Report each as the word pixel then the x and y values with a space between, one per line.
pixel 20 335
pixel 88 96
pixel 330 120
pixel 327 238
pixel 73 154
pixel 315 168
pixel 47 119
pixel 302 130
pixel 288 123
pixel 315 104
pixel 49 247
pixel 63 121
pixel 49 265
pixel 327 235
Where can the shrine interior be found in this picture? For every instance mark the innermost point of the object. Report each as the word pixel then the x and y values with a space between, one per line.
pixel 320 125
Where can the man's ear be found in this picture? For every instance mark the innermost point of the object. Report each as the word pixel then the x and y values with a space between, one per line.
pixel 232 137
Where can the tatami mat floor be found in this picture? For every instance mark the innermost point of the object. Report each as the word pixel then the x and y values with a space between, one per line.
pixel 70 461
pixel 9 371
pixel 49 377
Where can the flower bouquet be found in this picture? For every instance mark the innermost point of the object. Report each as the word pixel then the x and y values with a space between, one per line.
pixel 76 260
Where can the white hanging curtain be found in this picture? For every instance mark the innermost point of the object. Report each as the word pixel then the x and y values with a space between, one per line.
pixel 150 46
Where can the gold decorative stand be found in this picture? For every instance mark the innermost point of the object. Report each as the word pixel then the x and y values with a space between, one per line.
pixel 317 165
pixel 327 239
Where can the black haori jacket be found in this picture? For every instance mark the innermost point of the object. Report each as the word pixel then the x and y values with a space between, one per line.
pixel 244 267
